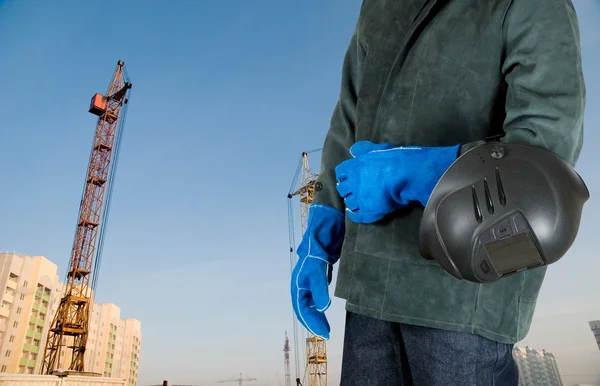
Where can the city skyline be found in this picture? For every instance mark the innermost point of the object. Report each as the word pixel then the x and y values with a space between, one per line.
pixel 225 98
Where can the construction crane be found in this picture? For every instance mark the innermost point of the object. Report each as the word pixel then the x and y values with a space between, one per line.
pixel 166 383
pixel 315 373
pixel 69 328
pixel 286 361
pixel 239 379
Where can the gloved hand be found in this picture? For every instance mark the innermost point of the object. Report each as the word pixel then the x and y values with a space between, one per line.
pixel 382 178
pixel 319 249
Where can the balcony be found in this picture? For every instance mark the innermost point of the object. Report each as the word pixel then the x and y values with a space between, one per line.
pixel 9 296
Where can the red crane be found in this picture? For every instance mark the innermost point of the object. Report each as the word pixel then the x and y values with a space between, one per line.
pixel 69 328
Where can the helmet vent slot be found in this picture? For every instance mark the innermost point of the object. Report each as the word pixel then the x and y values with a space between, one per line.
pixel 501 194
pixel 488 197
pixel 476 207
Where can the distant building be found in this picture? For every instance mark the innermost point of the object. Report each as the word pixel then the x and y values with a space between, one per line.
pixel 32 292
pixel 113 347
pixel 595 326
pixel 537 367
pixel 30 289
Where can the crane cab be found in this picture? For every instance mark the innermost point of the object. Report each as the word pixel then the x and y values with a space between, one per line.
pixel 98 105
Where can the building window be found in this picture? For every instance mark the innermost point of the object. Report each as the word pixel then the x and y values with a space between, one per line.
pixel 22 296
pixel 15 324
pixel 3 369
pixel 11 339
pixel 25 284
pixel 7 353
pixel 19 309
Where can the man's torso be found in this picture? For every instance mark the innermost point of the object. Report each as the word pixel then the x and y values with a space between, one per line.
pixel 431 77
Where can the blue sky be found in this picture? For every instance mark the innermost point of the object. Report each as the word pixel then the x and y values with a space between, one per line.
pixel 226 95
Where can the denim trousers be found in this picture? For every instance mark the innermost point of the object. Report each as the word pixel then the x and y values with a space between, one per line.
pixel 380 353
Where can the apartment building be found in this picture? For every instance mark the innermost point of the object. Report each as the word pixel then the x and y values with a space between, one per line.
pixel 30 289
pixel 537 367
pixel 113 346
pixel 595 326
pixel 32 292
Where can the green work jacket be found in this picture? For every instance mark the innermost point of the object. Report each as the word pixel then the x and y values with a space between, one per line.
pixel 431 73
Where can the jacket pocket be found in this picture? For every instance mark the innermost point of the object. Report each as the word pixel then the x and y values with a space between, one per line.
pixel 532 283
pixel 395 237
pixel 526 311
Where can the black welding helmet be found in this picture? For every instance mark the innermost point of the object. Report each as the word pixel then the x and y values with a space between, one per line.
pixel 500 209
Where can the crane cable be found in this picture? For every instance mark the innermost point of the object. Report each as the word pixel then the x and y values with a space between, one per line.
pixel 106 209
pixel 293 259
pixel 109 195
pixel 111 182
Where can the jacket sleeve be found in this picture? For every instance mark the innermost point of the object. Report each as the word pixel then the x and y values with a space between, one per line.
pixel 341 134
pixel 545 96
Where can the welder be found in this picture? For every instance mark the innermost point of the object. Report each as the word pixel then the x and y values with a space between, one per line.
pixel 431 92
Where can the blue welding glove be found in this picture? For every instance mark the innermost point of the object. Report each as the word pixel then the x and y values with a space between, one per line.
pixel 381 178
pixel 319 249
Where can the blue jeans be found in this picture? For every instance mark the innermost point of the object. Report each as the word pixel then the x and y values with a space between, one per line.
pixel 379 353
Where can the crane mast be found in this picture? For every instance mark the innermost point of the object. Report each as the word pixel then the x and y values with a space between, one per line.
pixel 69 328
pixel 315 373
pixel 286 361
